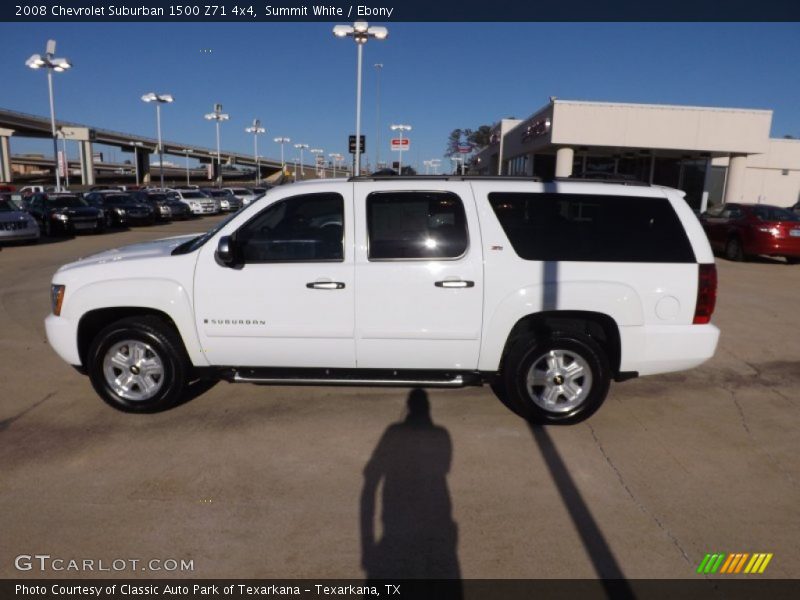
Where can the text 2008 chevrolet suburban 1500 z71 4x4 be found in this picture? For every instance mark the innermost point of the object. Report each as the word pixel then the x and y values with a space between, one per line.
pixel 545 290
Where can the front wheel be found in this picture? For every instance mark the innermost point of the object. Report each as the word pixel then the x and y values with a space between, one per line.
pixel 562 378
pixel 733 250
pixel 138 365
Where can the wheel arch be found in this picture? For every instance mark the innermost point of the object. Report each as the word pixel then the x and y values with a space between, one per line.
pixel 94 321
pixel 601 327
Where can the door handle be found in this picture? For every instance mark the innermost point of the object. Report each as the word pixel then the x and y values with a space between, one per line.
pixel 454 283
pixel 325 285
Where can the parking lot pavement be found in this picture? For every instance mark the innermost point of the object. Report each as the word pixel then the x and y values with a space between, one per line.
pixel 250 481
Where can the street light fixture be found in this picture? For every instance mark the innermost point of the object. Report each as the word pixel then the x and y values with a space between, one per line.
pixel 59 65
pixel 301 147
pixel 282 141
pixel 360 31
pixel 378 69
pixel 335 158
pixel 401 128
pixel 317 163
pixel 256 130
pixel 218 116
pixel 159 99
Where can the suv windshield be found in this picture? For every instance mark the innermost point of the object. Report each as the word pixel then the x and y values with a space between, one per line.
pixel 193 195
pixel 66 202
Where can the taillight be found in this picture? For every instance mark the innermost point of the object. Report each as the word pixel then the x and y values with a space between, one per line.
pixel 706 294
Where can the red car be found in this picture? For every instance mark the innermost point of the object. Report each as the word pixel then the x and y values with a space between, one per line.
pixel 744 230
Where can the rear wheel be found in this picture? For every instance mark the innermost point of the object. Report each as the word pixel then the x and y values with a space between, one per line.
pixel 562 378
pixel 733 250
pixel 138 365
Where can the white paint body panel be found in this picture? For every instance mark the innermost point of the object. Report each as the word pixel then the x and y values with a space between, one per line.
pixel 403 321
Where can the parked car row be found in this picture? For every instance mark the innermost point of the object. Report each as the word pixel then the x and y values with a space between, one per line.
pixel 30 213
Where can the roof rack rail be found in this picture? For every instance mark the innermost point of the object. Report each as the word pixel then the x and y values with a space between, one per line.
pixel 634 182
pixel 616 181
pixel 443 178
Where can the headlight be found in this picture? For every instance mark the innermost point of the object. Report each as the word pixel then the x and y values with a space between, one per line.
pixel 60 217
pixel 195 204
pixel 56 298
pixel 120 211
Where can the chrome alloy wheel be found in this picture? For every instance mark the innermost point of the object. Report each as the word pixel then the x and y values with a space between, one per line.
pixel 559 381
pixel 133 370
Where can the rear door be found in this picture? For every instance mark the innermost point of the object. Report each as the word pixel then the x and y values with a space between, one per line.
pixel 419 275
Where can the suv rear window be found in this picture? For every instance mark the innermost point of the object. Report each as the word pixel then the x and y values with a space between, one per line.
pixel 584 227
pixel 412 225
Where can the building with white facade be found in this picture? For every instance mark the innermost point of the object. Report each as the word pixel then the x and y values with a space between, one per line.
pixel 714 154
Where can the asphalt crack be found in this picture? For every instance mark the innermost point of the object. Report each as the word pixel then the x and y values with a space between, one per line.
pixel 639 504
pixel 6 423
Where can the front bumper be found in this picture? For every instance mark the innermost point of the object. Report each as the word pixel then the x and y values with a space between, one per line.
pixel 62 336
pixel 19 235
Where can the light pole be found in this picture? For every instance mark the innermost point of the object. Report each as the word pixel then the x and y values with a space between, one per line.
pixel 186 152
pixel 401 129
pixel 301 147
pixel 317 152
pixel 335 158
pixel 59 65
pixel 159 99
pixel 218 116
pixel 282 141
pixel 136 146
pixel 360 31
pixel 63 137
pixel 378 69
pixel 256 130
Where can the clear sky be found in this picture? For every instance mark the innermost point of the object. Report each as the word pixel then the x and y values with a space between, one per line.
pixel 300 80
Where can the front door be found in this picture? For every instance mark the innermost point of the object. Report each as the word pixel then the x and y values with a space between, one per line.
pixel 419 276
pixel 290 301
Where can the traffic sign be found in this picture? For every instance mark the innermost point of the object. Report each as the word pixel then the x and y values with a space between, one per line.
pixel 464 148
pixel 400 144
pixel 351 142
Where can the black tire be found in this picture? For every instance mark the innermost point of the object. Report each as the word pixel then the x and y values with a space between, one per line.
pixel 47 227
pixel 792 260
pixel 109 221
pixel 734 250
pixel 163 343
pixel 568 348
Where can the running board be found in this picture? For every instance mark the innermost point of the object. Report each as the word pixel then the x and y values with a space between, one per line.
pixel 352 377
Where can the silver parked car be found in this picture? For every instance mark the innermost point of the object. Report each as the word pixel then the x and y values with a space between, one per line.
pixel 16 224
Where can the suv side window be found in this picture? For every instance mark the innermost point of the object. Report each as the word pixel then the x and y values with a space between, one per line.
pixel 585 227
pixel 416 225
pixel 307 228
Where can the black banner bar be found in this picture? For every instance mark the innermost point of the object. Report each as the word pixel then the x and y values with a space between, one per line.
pixel 400 11
pixel 732 588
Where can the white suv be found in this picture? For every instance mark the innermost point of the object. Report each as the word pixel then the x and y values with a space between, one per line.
pixel 198 202
pixel 546 291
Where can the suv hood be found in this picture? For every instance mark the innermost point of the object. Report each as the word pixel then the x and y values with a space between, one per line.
pixel 152 249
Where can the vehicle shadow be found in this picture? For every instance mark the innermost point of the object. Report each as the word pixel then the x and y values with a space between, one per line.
pixel 419 537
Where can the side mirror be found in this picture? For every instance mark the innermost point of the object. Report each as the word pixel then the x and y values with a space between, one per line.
pixel 225 252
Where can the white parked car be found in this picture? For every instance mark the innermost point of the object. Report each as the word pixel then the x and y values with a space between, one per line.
pixel 546 291
pixel 243 194
pixel 198 202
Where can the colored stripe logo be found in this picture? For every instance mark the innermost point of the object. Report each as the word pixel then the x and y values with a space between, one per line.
pixel 737 562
